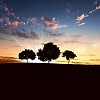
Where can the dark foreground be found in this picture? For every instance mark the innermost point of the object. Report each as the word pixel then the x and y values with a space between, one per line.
pixel 50 72
pixel 51 78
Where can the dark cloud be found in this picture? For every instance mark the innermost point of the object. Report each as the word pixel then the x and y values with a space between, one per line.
pixel 2 39
pixel 28 35
pixel 5 39
pixel 20 33
pixel 55 33
pixel 95 60
pixel 8 60
pixel 62 61
pixel 80 63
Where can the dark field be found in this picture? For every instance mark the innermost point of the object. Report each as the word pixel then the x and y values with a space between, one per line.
pixel 50 71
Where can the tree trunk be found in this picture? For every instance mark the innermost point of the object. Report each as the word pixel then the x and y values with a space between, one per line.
pixel 27 60
pixel 68 61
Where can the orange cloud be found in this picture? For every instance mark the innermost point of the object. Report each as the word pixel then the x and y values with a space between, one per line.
pixel 80 18
pixel 9 60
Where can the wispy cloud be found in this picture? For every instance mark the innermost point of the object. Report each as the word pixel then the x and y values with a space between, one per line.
pixel 95 2
pixel 81 17
pixel 81 24
pixel 31 21
pixel 69 8
pixel 77 39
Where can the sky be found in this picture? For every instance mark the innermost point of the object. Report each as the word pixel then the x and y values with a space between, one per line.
pixel 70 24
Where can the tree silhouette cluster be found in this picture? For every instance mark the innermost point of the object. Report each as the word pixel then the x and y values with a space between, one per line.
pixel 69 55
pixel 27 54
pixel 48 53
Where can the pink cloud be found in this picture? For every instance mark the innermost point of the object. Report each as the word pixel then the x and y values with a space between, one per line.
pixel 47 21
pixel 57 26
pixel 98 8
pixel 31 20
pixel 53 24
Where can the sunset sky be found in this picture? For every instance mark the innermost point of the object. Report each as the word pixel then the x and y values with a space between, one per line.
pixel 70 24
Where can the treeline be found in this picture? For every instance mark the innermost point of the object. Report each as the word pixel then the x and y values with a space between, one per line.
pixel 48 53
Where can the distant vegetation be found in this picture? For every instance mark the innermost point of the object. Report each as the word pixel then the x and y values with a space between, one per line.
pixel 48 53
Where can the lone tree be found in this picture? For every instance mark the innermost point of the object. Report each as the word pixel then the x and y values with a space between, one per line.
pixel 27 54
pixel 49 52
pixel 69 55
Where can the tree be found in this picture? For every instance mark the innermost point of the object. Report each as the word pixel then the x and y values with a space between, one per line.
pixel 49 52
pixel 27 54
pixel 69 55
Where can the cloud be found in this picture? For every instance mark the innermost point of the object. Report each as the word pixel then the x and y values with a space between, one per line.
pixel 90 12
pixel 81 24
pixel 95 2
pixel 55 33
pixel 47 21
pixel 5 39
pixel 94 59
pixel 98 8
pixel 91 55
pixel 20 33
pixel 28 35
pixel 57 26
pixel 2 39
pixel 82 63
pixel 77 39
pixel 52 24
pixel 69 8
pixel 10 24
pixel 31 21
pixel 9 60
pixel 87 55
pixel 81 17
pixel 74 42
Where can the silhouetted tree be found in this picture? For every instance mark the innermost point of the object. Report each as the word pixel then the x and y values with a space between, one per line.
pixel 27 54
pixel 69 55
pixel 49 52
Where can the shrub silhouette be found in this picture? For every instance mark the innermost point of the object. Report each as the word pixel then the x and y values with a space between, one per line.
pixel 27 54
pixel 69 55
pixel 49 52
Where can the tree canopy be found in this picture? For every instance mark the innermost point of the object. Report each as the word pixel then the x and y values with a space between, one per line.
pixel 49 52
pixel 27 54
pixel 69 55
